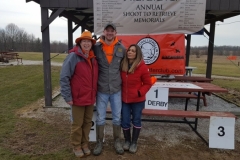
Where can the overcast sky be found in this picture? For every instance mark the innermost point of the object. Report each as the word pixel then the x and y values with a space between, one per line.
pixel 27 16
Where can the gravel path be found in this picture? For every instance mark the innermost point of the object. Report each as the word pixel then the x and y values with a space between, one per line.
pixel 28 62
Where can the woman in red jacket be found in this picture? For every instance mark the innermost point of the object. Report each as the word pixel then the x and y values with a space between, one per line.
pixel 136 82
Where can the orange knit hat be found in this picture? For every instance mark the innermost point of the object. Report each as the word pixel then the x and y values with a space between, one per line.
pixel 85 35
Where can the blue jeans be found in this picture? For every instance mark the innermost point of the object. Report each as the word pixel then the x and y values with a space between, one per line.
pixel 115 100
pixel 134 109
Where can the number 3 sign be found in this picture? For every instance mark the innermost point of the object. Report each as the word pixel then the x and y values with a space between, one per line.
pixel 221 132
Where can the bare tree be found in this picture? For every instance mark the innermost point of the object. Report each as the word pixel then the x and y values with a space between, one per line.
pixel 22 40
pixel 17 39
pixel 3 40
pixel 12 32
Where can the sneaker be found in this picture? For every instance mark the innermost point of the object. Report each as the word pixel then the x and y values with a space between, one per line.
pixel 86 151
pixel 78 152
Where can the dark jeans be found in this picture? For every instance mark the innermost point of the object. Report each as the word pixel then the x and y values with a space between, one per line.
pixel 134 110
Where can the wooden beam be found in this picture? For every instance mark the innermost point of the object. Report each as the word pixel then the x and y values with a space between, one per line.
pixel 46 58
pixel 222 17
pixel 70 35
pixel 210 50
pixel 51 19
pixel 206 31
pixel 188 49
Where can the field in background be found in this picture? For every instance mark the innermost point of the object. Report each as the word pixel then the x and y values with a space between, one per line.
pixel 221 65
pixel 37 56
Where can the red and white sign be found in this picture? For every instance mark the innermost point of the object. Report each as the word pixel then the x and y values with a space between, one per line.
pixel 164 54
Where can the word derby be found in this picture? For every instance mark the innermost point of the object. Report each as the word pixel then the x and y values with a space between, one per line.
pixel 157 103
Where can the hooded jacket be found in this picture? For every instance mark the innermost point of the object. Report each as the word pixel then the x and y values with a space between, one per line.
pixel 78 78
pixel 136 85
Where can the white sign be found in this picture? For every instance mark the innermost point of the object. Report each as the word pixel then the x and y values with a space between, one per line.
pixel 141 17
pixel 157 98
pixel 92 134
pixel 221 132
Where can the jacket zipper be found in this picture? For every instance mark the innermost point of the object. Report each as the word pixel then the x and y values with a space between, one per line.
pixel 127 87
pixel 92 61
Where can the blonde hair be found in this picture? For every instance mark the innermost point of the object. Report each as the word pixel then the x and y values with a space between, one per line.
pixel 137 60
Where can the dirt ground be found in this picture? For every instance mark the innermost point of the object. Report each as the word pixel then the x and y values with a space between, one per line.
pixel 164 141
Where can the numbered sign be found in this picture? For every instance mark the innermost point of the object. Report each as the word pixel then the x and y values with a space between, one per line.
pixel 92 134
pixel 157 98
pixel 221 132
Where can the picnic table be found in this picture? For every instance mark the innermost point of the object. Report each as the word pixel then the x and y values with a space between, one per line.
pixel 5 57
pixel 194 115
pixel 192 79
pixel 178 78
pixel 180 87
pixel 189 70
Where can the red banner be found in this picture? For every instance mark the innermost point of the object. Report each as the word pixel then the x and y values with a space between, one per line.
pixel 164 54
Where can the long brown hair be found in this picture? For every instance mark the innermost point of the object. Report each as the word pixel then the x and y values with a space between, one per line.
pixel 137 60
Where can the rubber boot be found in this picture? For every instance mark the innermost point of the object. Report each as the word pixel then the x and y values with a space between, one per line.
pixel 117 141
pixel 127 136
pixel 135 134
pixel 99 146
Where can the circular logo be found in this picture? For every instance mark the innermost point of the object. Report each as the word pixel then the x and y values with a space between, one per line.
pixel 149 49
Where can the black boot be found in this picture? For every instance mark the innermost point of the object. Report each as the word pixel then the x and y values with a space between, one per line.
pixel 127 137
pixel 135 134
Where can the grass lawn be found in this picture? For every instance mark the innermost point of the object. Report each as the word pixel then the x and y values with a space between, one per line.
pixel 21 86
pixel 221 66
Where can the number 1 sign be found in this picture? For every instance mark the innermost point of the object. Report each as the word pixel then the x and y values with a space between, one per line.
pixel 157 98
pixel 221 132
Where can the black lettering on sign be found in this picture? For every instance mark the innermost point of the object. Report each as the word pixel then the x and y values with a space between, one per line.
pixel 222 132
pixel 156 93
pixel 92 125
pixel 157 103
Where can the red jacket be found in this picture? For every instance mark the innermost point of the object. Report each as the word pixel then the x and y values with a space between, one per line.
pixel 78 78
pixel 136 85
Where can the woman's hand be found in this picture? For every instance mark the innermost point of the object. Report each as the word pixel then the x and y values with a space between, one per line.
pixel 70 103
